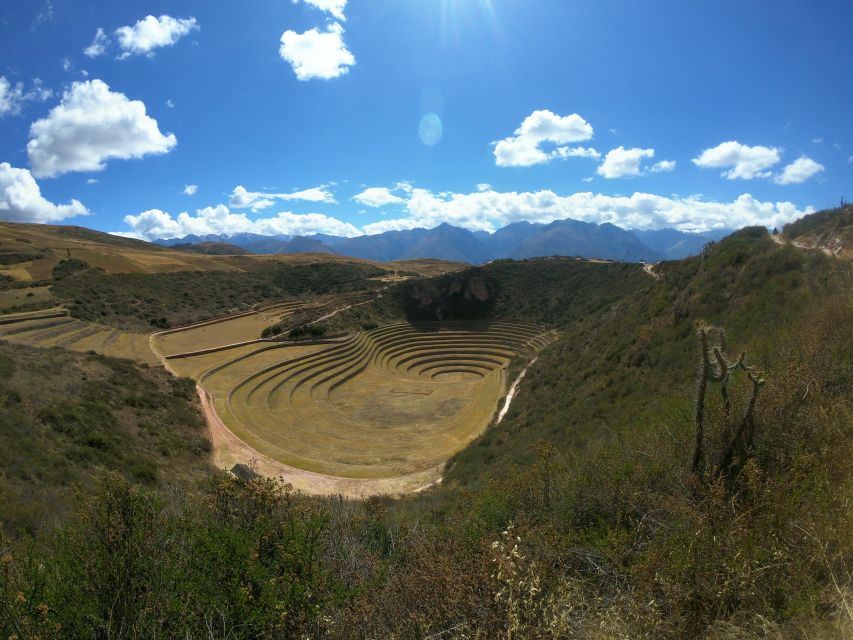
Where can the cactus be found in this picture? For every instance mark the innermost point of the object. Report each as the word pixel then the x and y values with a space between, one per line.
pixel 738 436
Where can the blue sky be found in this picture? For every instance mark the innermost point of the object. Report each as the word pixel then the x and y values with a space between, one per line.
pixel 368 115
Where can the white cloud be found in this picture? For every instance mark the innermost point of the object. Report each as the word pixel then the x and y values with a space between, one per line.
pixel 317 54
pixel 21 199
pixel 576 152
pixel 484 186
pixel 588 179
pixel 397 224
pixel 486 211
pixel 66 64
pixel 46 13
pixel 241 198
pixel 92 181
pixel 152 33
pixel 490 210
pixel 850 160
pixel 377 197
pixel 817 140
pixel 13 97
pixel 624 163
pixel 664 166
pixel 799 171
pixel 334 7
pixel 524 148
pixel 39 92
pixel 91 125
pixel 742 161
pixel 190 189
pixel 99 44
pixel 153 224
pixel 170 104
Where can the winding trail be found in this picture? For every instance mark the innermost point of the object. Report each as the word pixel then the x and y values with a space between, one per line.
pixel 342 309
pixel 649 268
pixel 778 239
pixel 513 390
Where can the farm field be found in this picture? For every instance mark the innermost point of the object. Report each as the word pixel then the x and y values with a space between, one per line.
pixel 29 296
pixel 55 328
pixel 217 333
pixel 391 403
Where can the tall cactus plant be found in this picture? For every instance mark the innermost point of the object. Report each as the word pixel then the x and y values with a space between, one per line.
pixel 738 436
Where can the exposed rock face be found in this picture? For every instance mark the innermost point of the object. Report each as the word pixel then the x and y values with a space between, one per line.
pixel 457 296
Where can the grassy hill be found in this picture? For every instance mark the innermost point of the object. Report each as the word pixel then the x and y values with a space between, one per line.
pixel 630 336
pixel 67 418
pixel 581 515
pixel 139 301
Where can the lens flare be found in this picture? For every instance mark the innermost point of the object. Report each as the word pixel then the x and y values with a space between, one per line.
pixel 431 129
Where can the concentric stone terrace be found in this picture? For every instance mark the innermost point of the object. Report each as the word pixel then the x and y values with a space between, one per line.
pixel 380 404
pixel 54 328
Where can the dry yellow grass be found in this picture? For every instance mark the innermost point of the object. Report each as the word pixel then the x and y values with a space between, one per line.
pixel 395 402
pixel 53 328
pixel 243 327
pixel 30 295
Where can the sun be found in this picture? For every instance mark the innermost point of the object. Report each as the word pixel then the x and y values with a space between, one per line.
pixel 454 11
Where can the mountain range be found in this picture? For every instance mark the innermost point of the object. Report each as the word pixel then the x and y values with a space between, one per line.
pixel 518 240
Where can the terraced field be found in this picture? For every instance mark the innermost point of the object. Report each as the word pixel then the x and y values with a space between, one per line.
pixel 214 334
pixel 394 402
pixel 54 328
pixel 381 410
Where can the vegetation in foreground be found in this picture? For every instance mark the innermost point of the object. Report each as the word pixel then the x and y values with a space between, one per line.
pixel 619 534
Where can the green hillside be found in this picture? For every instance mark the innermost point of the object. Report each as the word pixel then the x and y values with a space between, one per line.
pixel 67 418
pixel 628 355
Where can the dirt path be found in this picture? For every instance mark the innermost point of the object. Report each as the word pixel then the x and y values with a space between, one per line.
pixel 512 391
pixel 778 239
pixel 650 269
pixel 342 309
